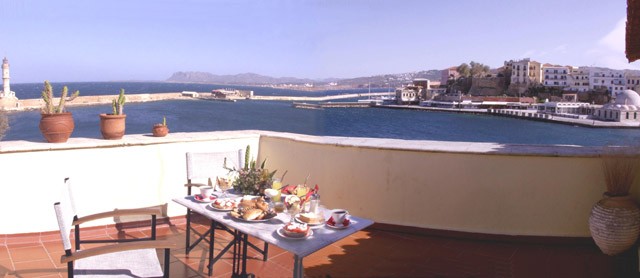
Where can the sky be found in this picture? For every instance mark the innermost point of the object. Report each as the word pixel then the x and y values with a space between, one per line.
pixel 148 40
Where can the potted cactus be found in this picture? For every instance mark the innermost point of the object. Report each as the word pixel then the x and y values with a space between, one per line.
pixel 161 129
pixel 56 124
pixel 112 126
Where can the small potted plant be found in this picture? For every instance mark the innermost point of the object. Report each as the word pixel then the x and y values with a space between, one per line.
pixel 112 126
pixel 56 124
pixel 161 129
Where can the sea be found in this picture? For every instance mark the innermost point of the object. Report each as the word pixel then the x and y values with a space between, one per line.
pixel 202 115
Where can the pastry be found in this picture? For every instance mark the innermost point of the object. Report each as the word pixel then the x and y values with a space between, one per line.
pixel 310 218
pixel 297 230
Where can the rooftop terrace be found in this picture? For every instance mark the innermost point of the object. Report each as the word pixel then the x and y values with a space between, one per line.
pixel 369 253
pixel 442 209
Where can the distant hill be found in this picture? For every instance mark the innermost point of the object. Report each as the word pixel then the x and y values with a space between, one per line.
pixel 377 81
pixel 237 79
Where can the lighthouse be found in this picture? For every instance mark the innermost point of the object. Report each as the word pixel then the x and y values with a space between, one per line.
pixel 6 87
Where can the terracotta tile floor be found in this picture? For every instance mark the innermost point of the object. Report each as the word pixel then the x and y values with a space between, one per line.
pixel 369 253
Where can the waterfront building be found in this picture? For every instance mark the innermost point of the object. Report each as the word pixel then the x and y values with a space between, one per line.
pixel 408 95
pixel 624 109
pixel 578 79
pixel 555 76
pixel 524 74
pixel 565 108
pixel 449 73
pixel 632 80
pixel 603 78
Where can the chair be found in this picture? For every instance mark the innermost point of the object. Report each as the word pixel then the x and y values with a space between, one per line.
pixel 209 166
pixel 123 258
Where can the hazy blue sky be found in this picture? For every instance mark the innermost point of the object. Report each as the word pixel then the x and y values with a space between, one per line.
pixel 150 39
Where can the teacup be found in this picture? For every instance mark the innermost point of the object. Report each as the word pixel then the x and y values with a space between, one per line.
pixel 206 191
pixel 339 215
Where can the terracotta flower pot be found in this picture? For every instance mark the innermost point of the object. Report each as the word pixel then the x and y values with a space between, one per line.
pixel 112 127
pixel 160 130
pixel 615 224
pixel 57 127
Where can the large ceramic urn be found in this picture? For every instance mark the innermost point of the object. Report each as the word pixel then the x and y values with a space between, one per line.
pixel 56 127
pixel 112 126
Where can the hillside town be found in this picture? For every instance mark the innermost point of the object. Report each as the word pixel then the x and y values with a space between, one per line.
pixel 590 96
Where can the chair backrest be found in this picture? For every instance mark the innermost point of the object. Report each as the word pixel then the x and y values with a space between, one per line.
pixel 210 164
pixel 65 213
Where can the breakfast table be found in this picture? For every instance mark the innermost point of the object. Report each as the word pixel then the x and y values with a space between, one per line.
pixel 267 231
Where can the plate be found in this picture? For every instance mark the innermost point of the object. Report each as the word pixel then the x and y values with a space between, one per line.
pixel 250 221
pixel 220 209
pixel 310 224
pixel 281 233
pixel 198 198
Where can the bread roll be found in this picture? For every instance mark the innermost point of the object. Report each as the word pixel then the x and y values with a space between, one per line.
pixel 252 214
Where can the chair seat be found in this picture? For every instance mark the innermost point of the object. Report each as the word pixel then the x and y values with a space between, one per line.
pixel 134 263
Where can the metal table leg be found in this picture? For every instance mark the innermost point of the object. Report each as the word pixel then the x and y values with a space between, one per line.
pixel 298 269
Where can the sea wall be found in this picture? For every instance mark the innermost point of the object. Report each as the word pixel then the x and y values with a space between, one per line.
pixel 459 186
pixel 29 104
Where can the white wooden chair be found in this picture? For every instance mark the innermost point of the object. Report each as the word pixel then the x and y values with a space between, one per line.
pixel 122 258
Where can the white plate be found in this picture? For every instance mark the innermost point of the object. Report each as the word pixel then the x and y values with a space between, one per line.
pixel 199 199
pixel 219 209
pixel 310 224
pixel 281 233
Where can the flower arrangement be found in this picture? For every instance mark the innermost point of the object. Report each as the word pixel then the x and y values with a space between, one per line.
pixel 250 180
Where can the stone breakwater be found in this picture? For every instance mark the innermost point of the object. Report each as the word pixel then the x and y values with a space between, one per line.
pixel 31 104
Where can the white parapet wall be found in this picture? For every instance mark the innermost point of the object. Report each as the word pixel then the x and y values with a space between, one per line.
pixel 460 186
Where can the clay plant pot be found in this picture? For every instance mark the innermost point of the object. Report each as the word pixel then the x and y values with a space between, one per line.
pixel 160 130
pixel 112 126
pixel 57 127
pixel 615 224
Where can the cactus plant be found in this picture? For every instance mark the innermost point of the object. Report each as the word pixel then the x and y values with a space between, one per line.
pixel 47 96
pixel 117 105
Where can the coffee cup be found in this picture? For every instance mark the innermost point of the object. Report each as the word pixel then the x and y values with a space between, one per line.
pixel 206 191
pixel 339 215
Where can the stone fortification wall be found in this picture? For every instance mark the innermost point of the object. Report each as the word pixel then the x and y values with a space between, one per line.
pixel 488 86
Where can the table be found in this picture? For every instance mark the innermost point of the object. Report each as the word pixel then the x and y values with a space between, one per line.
pixel 266 231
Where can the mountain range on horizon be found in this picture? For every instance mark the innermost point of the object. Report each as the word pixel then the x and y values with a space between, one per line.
pixel 384 80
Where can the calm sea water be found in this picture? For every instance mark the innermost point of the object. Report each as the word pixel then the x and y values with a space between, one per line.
pixel 193 115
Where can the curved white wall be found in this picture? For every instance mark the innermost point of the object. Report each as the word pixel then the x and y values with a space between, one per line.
pixel 471 187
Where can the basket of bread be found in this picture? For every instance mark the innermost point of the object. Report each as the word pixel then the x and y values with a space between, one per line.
pixel 253 209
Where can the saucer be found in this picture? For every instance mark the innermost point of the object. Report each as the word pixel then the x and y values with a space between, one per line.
pixel 201 199
pixel 341 227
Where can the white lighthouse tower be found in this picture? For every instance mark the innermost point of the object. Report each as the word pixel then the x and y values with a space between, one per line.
pixel 6 87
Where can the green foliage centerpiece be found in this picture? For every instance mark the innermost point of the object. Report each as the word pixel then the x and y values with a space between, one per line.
pixel 251 180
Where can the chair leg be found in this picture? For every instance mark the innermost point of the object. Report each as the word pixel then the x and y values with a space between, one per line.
pixel 167 262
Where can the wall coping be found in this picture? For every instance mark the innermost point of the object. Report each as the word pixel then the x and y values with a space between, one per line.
pixel 374 143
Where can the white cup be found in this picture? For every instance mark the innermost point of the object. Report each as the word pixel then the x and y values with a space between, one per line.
pixel 339 215
pixel 206 191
